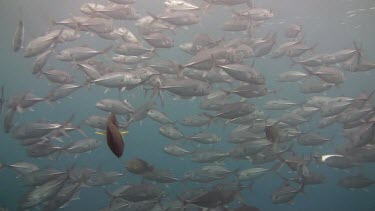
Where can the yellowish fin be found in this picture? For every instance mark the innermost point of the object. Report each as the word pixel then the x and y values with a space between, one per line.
pixel 100 133
pixel 104 133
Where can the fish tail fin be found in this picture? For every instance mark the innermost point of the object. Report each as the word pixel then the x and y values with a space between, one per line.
pixel 154 51
pixel 108 194
pixel 87 83
pixel 294 62
pixel 58 38
pixel 205 7
pixel 236 173
pixel 107 49
pixel 2 93
pixel 226 123
pixel 183 202
pixel 276 167
pixel 78 128
pixel 179 71
pixel 161 97
pixel 210 117
pixel 358 48
pixel 309 72
pixel 301 189
pixel 279 157
pixel 283 177
pixel 52 22
pixel 48 101
pixel 154 17
pixel 312 48
pixel 250 3
pixel 227 93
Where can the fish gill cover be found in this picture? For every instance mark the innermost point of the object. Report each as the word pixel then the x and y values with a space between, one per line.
pixel 187 105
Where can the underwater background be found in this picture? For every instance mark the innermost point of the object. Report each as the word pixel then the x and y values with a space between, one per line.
pixel 325 22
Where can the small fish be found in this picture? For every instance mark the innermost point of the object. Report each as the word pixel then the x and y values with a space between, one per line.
pixel 293 31
pixel 139 166
pixel 159 40
pixel 40 62
pixel 176 151
pixel 80 53
pixel 61 91
pixel 180 5
pixel 272 133
pixel 123 1
pixel 114 137
pixel 18 36
pixel 1 98
pixel 84 145
pixel 286 193
pixel 355 182
pixel 8 119
pixel 158 116
pixel 42 43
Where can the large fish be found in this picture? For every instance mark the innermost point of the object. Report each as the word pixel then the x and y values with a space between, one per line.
pixel 114 137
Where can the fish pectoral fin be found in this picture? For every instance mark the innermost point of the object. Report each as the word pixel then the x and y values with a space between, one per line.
pixel 124 132
pixel 104 133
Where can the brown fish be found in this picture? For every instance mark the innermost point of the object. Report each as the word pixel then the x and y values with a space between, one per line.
pixel 139 166
pixel 272 133
pixel 114 137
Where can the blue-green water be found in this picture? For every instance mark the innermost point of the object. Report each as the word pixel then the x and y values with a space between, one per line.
pixel 324 22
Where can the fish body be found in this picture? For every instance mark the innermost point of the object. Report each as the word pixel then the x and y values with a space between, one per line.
pixel 244 73
pixel 115 106
pixel 139 166
pixel 114 137
pixel 18 36
pixel 176 150
pixel 61 92
pixel 40 62
pixel 79 53
pixel 159 40
pixel 180 5
pixel 285 194
pixel 41 44
pixel 117 80
pixel 171 132
pixel 83 145
pixel 2 100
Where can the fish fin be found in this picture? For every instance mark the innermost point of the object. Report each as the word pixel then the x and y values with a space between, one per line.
pixel 124 132
pixel 154 17
pixel 101 133
pixel 240 198
pixel 19 109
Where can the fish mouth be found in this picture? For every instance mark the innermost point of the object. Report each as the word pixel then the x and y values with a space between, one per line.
pixel 99 105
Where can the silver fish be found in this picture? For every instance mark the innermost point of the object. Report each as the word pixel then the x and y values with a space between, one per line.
pixel 83 145
pixel 79 53
pixel 115 106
